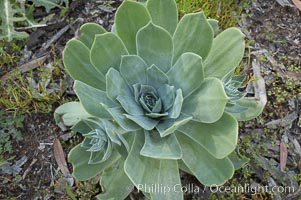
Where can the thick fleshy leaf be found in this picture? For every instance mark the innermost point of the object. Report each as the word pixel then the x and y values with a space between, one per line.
pixel 115 183
pixel 89 124
pixel 91 99
pixel 175 111
pixel 70 113
pixel 234 108
pixel 155 77
pixel 239 78
pixel 156 115
pixel 225 56
pixel 97 157
pixel 79 66
pixel 164 13
pixel 133 69
pixel 116 85
pixel 118 115
pixel 83 128
pixel 188 67
pixel 115 133
pixel 154 46
pixel 163 171
pixel 127 140
pixel 209 170
pixel 183 167
pixel 207 104
pixel 88 32
pixel 145 122
pixel 167 94
pixel 214 25
pixel 219 138
pixel 113 29
pixel 82 171
pixel 146 96
pixel 254 109
pixel 129 18
pixel 193 34
pixel 106 52
pixel 130 105
pixel 168 126
pixel 158 106
pixel 237 160
pixel 161 148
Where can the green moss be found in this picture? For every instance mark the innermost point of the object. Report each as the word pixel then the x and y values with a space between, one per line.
pixel 282 89
pixel 9 131
pixel 10 55
pixel 227 12
pixel 32 91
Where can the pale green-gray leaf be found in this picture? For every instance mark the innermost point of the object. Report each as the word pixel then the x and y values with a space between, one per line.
pixel 70 113
pixel 113 29
pixel 183 167
pixel 91 99
pixel 193 34
pixel 226 53
pixel 115 183
pixel 88 32
pixel 208 170
pixel 83 128
pixel 207 104
pixel 161 148
pixel 155 77
pixel 167 94
pixel 234 108
pixel 79 66
pixel 133 69
pixel 100 156
pixel 130 105
pixel 145 122
pixel 169 177
pixel 114 132
pixel 127 140
pixel 254 109
pixel 188 67
pixel 154 46
pixel 219 138
pixel 103 57
pixel 168 126
pixel 237 160
pixel 164 13
pixel 129 18
pixel 214 25
pixel 118 115
pixel 116 85
pixel 175 110
pixel 82 171
pixel 163 171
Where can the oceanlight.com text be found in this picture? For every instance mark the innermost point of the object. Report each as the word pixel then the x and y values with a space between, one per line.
pixel 194 189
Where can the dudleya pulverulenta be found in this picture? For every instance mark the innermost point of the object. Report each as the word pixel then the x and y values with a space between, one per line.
pixel 160 93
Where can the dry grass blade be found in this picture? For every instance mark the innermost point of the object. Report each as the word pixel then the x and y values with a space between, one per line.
pixel 283 156
pixel 297 4
pixel 60 157
pixel 284 3
pixel 27 66
pixel 259 85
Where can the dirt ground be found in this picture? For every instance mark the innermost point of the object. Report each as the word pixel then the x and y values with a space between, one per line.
pixel 271 141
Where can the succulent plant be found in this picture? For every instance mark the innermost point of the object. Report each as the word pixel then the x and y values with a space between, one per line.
pixel 155 96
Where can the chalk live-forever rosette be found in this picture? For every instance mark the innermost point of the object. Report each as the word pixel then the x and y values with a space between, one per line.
pixel 156 95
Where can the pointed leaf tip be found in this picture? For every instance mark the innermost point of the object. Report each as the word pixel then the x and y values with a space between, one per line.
pixel 129 18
